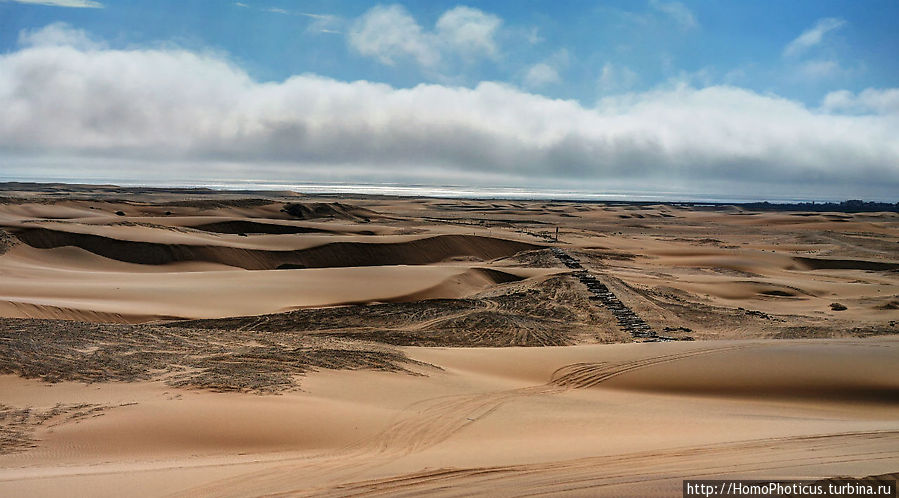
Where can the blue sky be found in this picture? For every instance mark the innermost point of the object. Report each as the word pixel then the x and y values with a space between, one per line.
pixel 508 73
pixel 729 42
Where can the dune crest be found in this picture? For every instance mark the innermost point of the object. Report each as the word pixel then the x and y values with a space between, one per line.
pixel 335 254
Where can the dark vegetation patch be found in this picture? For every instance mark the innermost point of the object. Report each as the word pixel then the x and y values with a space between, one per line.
pixel 17 425
pixel 851 206
pixel 219 360
pixel 822 332
pixel 550 314
pixel 702 241
pixel 7 241
pixel 537 258
pixel 598 255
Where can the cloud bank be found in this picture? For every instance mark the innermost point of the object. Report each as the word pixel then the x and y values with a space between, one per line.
pixel 73 101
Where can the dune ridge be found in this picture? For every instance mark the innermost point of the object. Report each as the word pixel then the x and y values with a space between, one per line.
pixel 131 297
pixel 313 210
pixel 422 251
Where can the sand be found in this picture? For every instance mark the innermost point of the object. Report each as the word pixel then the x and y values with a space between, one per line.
pixel 373 346
pixel 494 421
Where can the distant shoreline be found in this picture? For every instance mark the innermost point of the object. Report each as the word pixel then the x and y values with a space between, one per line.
pixel 444 192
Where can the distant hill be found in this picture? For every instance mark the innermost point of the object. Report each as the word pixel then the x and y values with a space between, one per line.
pixel 852 206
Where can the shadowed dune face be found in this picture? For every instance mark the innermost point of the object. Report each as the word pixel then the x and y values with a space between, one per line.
pixel 337 254
pixel 313 210
pixel 817 373
pixel 254 227
pixel 845 264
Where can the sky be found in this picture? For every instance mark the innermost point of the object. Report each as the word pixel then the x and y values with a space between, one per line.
pixel 729 99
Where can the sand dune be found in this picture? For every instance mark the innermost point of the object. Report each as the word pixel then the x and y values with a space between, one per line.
pixel 134 297
pixel 668 413
pixel 313 210
pixel 200 343
pixel 335 254
pixel 19 309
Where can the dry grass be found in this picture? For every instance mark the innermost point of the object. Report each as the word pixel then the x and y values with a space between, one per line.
pixel 7 241
pixel 554 312
pixel 17 425
pixel 219 360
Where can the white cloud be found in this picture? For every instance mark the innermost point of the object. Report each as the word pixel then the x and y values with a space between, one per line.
pixel 812 36
pixel 469 30
pixel 84 4
pixel 540 75
pixel 616 78
pixel 58 34
pixel 157 110
pixel 547 72
pixel 819 69
pixel 876 100
pixel 676 11
pixel 323 23
pixel 734 76
pixel 389 33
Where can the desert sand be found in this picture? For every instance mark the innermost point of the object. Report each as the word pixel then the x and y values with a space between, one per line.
pixel 203 343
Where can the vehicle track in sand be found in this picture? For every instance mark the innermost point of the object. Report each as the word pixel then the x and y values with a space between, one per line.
pixel 432 421
pixel 427 423
pixel 647 471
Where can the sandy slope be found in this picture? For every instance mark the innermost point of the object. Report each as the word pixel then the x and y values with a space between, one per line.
pixel 618 419
pixel 624 419
pixel 127 292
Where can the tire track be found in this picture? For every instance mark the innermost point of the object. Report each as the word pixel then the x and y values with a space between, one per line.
pixel 435 420
pixel 427 423
pixel 585 375
pixel 650 468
